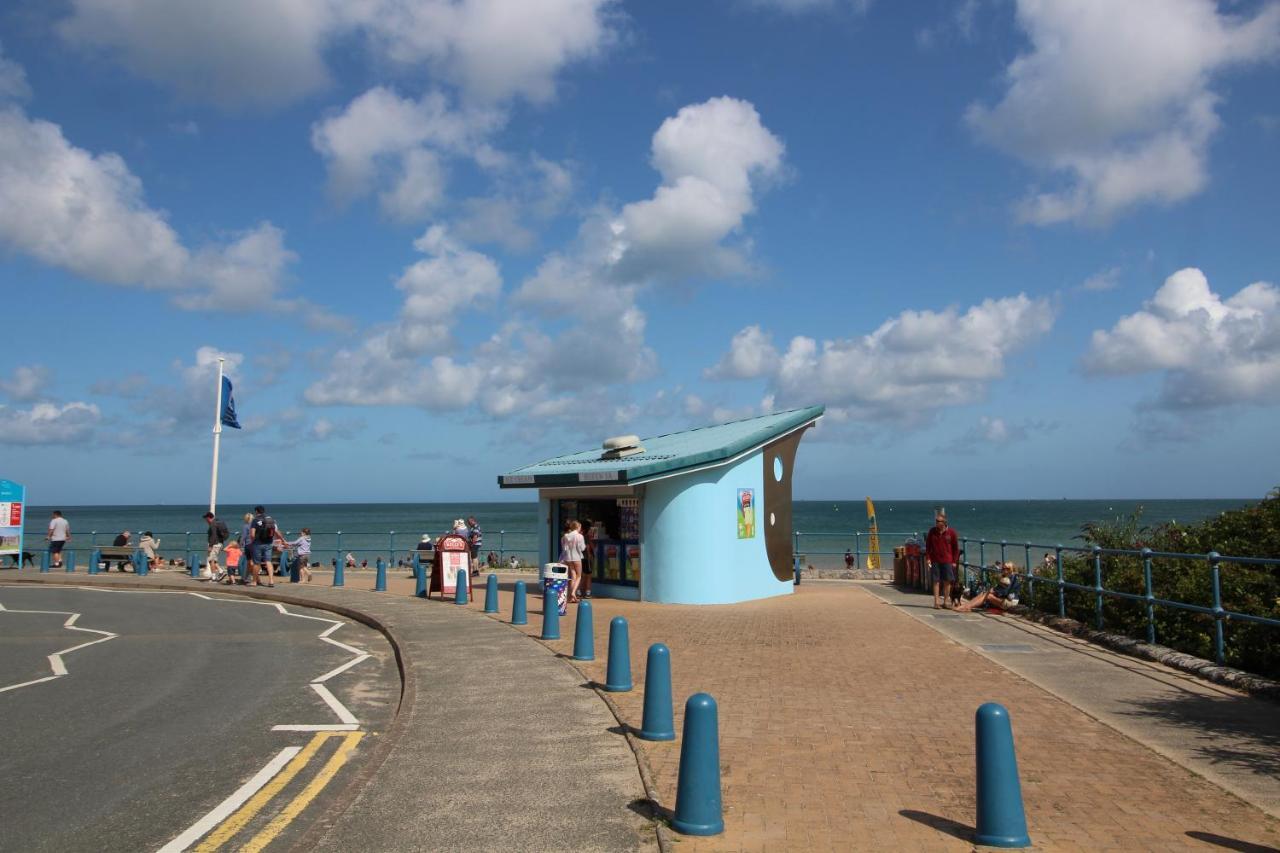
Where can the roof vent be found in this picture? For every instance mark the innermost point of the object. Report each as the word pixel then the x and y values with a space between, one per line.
pixel 621 446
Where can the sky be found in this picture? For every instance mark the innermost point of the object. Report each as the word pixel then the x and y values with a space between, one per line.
pixel 1016 249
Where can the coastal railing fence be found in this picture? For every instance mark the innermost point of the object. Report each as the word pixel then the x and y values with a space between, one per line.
pixel 1210 605
pixel 327 546
pixel 822 544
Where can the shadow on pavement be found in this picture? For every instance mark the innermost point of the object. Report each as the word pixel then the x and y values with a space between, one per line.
pixel 650 810
pixel 942 824
pixel 1229 843
pixel 1249 723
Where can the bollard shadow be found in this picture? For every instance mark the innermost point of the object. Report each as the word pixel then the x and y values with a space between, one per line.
pixel 650 810
pixel 1229 843
pixel 942 824
pixel 592 685
pixel 620 730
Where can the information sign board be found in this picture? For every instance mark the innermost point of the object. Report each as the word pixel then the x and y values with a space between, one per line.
pixel 13 502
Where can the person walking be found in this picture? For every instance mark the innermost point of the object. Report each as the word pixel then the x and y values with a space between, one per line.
pixel 572 545
pixel 246 550
pixel 941 554
pixel 263 532
pixel 58 535
pixel 475 538
pixel 218 536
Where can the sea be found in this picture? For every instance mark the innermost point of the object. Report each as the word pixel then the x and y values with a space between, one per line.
pixel 825 528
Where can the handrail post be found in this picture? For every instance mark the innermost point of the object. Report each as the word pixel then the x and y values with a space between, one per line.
pixel 1097 586
pixel 339 555
pixel 188 540
pixel 964 560
pixel 857 550
pixel 1218 653
pixel 982 560
pixel 93 538
pixel 1031 578
pixel 1151 608
pixel 502 550
pixel 795 551
pixel 1062 591
pixel 1003 559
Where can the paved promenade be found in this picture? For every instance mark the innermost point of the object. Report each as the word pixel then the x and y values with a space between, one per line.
pixel 847 723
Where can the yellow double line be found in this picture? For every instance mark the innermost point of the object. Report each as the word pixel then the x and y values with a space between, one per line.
pixel 241 817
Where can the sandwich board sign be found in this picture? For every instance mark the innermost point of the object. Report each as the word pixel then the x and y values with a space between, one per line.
pixel 453 554
pixel 13 504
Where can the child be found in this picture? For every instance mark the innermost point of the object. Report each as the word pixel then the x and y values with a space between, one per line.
pixel 232 552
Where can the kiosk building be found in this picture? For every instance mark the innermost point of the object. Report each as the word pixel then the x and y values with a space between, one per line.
pixel 695 517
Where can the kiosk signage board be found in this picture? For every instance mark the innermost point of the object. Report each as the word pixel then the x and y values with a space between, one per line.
pixel 453 554
pixel 12 508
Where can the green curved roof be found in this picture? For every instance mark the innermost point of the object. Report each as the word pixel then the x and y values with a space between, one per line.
pixel 675 452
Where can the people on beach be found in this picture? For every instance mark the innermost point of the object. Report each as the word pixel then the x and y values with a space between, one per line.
pixel 263 537
pixel 942 552
pixel 513 563
pixel 571 546
pixel 848 559
pixel 150 546
pixel 1004 594
pixel 217 536
pixel 121 541
pixel 58 535
pixel 301 548
pixel 349 562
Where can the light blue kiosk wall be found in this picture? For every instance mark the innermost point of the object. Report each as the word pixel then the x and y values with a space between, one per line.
pixel 691 551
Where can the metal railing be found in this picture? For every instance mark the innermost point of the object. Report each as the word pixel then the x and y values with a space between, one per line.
pixel 1052 573
pixel 856 542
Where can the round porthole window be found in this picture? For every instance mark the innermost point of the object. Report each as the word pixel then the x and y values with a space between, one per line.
pixel 777 468
pixel 772 520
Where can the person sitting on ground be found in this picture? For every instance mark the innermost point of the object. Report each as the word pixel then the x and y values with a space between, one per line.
pixel 349 562
pixel 149 545
pixel 514 563
pixel 1004 594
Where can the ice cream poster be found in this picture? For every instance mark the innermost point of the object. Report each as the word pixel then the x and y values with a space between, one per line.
pixel 746 513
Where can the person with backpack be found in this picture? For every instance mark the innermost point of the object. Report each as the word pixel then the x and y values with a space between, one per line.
pixel 218 537
pixel 262 532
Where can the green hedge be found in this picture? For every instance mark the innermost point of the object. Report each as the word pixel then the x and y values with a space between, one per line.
pixel 1247 588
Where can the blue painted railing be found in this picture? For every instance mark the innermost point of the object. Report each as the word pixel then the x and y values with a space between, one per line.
pixel 1100 592
pixel 859 543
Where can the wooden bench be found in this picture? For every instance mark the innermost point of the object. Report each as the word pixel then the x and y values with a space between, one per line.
pixel 118 554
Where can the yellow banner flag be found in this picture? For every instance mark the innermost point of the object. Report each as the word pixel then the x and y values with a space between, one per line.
pixel 873 559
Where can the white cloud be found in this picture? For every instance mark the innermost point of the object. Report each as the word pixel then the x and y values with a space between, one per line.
pixel 87 214
pixel 48 423
pixel 751 355
pixel 1102 280
pixel 1115 99
pixel 909 367
pixel 27 383
pixel 13 79
pixel 232 53
pixel 859 7
pixel 1210 351
pixel 711 157
pixel 997 432
pixel 263 53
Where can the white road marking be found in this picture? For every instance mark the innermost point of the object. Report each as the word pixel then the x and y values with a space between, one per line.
pixel 56 663
pixel 346 666
pixel 336 706
pixel 231 803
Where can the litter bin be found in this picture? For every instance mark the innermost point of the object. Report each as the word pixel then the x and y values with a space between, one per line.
pixel 900 565
pixel 555 577
pixel 914 563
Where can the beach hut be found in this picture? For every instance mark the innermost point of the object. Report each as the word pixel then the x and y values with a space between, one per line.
pixel 695 517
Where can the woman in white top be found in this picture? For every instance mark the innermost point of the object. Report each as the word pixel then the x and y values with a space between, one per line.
pixel 572 545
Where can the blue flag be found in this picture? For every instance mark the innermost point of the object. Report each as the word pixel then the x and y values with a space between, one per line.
pixel 228 405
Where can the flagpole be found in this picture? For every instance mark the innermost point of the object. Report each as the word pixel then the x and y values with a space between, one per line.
pixel 217 439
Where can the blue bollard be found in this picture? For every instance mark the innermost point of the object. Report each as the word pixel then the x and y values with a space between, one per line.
pixel 584 640
pixel 618 674
pixel 95 558
pixel 519 613
pixel 45 564
pixel 698 804
pixel 550 615
pixel 460 587
pixel 69 557
pixel 242 567
pixel 657 723
pixel 340 572
pixel 193 563
pixel 491 594
pixel 1001 820
pixel 380 585
pixel 420 577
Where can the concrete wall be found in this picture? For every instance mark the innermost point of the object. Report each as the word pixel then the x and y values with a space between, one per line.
pixel 690 547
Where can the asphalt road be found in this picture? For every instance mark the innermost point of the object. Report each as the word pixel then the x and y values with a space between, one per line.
pixel 148 731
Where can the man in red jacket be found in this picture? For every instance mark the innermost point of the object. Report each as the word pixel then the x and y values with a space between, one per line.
pixel 941 553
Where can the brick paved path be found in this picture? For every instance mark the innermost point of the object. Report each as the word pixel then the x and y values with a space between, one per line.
pixel 848 725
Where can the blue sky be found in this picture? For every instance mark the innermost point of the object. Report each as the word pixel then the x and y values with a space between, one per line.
pixel 1018 249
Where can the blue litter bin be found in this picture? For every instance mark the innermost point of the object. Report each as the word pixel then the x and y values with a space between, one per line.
pixel 555 576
